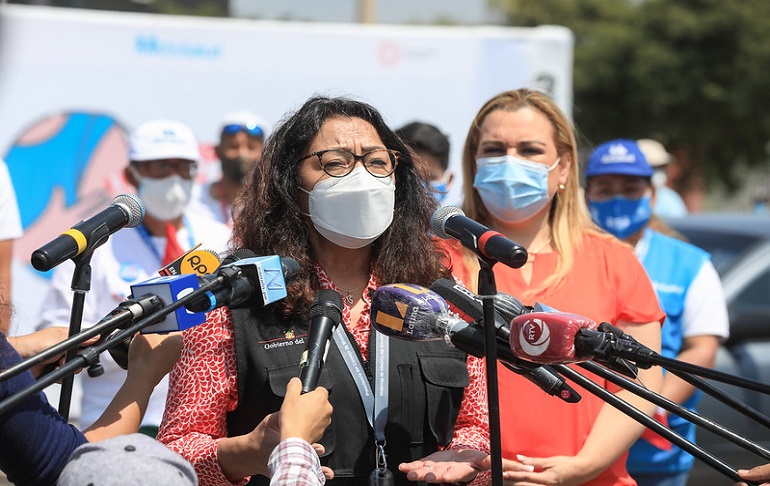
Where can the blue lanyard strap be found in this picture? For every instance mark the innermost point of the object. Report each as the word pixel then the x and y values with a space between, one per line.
pixel 375 404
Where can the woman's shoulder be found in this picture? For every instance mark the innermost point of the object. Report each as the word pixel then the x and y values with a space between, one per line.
pixel 605 243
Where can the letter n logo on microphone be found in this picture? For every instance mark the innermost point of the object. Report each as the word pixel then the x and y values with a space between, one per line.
pixel 534 337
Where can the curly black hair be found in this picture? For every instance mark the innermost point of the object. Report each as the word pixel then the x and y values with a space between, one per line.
pixel 268 219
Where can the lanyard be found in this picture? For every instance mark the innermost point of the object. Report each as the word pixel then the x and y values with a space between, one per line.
pixel 147 237
pixel 375 404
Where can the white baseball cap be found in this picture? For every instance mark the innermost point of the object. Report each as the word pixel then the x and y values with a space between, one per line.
pixel 163 139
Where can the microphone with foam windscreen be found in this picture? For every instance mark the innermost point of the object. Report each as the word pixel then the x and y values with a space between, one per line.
pixel 450 222
pixel 125 211
pixel 247 280
pixel 195 261
pixel 549 337
pixel 325 314
pixel 468 306
pixel 414 313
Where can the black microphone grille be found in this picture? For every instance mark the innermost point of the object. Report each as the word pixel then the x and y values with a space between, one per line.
pixel 133 206
pixel 440 218
pixel 327 303
pixel 239 254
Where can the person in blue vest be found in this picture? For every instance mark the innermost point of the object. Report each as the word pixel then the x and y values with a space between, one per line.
pixel 620 195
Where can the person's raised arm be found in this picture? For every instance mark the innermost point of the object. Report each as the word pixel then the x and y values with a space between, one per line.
pixel 202 391
pixel 150 358
pixel 303 420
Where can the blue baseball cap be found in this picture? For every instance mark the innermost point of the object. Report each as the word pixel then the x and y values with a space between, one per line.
pixel 621 157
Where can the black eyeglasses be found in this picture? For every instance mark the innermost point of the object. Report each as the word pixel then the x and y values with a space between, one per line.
pixel 340 162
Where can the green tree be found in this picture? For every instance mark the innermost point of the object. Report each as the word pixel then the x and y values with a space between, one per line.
pixel 691 73
pixel 209 8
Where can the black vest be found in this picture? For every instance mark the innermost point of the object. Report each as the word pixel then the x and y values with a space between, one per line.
pixel 425 391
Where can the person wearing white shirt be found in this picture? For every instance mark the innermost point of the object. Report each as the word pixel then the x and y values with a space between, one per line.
pixel 163 162
pixel 10 229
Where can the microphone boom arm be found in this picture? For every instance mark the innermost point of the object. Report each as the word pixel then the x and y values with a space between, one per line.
pixel 90 355
pixel 650 423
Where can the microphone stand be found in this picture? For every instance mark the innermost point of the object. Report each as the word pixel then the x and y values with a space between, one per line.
pixel 125 314
pixel 90 356
pixel 636 414
pixel 677 409
pixel 611 345
pixel 487 291
pixel 81 283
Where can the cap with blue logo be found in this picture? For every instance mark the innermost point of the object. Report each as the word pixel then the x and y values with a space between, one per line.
pixel 621 157
pixel 162 139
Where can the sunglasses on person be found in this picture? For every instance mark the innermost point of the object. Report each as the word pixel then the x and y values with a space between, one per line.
pixel 251 129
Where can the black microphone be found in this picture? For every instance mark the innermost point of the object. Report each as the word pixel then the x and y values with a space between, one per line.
pixel 468 306
pixel 325 314
pixel 450 222
pixel 126 210
pixel 414 313
pixel 246 280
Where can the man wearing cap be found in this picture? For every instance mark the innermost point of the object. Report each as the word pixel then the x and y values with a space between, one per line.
pixel 163 157
pixel 668 202
pixel 620 194
pixel 241 139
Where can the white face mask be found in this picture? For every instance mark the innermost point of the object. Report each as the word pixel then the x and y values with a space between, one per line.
pixel 354 210
pixel 165 199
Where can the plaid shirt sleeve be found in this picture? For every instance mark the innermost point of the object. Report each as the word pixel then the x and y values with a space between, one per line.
pixel 294 461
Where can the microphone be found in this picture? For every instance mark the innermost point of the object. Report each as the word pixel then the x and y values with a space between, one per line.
pixel 196 261
pixel 414 313
pixel 247 281
pixel 125 210
pixel 171 288
pixel 325 314
pixel 549 337
pixel 450 222
pixel 468 306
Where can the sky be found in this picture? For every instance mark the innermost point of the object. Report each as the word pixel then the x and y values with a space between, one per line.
pixel 388 11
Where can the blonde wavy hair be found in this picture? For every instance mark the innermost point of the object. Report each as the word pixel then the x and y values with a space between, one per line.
pixel 569 218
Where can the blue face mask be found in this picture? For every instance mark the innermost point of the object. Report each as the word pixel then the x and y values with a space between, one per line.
pixel 439 190
pixel 512 189
pixel 621 216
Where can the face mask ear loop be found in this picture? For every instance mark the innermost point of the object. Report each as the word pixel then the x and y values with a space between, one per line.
pixel 552 167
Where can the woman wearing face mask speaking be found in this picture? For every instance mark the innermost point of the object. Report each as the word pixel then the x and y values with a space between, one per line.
pixel 163 157
pixel 337 191
pixel 521 179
